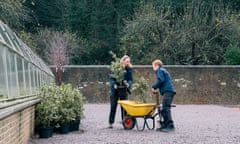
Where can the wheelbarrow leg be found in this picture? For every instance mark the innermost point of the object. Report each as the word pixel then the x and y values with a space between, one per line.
pixel 159 110
pixel 123 113
pixel 160 121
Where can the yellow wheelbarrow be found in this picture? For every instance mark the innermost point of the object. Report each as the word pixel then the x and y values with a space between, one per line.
pixel 136 109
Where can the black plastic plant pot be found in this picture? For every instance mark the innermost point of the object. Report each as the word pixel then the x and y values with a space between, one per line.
pixel 122 92
pixel 64 128
pixel 45 132
pixel 74 125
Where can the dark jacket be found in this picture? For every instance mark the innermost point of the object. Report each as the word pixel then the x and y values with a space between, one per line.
pixel 164 81
pixel 128 76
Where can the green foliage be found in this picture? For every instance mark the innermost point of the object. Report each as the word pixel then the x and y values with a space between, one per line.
pixel 65 110
pixel 3 96
pixel 59 104
pixel 46 110
pixel 98 23
pixel 141 89
pixel 14 13
pixel 117 68
pixel 77 104
pixel 176 31
pixel 144 35
pixel 232 55
pixel 70 103
pixel 49 14
pixel 198 33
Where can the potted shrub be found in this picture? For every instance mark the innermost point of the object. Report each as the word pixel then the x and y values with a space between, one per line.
pixel 70 107
pixel 64 107
pixel 66 115
pixel 46 111
pixel 77 107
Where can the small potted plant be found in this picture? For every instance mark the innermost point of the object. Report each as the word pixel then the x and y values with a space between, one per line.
pixel 140 89
pixel 116 69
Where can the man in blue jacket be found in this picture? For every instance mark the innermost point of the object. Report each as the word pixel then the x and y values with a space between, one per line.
pixel 165 85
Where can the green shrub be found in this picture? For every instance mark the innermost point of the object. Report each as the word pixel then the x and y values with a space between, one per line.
pixel 46 109
pixel 117 68
pixel 232 56
pixel 59 104
pixel 140 89
pixel 70 103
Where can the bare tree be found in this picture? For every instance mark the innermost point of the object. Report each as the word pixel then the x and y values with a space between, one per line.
pixel 58 46
pixel 57 49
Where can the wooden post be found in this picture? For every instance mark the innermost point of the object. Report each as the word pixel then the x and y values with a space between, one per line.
pixel 59 74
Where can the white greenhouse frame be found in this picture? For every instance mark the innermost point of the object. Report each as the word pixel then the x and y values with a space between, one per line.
pixel 22 72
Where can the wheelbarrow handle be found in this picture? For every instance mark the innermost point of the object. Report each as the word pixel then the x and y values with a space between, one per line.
pixel 157 98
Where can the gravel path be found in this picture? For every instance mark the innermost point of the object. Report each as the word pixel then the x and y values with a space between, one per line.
pixel 195 124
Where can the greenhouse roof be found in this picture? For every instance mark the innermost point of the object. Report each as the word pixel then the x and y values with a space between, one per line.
pixel 12 42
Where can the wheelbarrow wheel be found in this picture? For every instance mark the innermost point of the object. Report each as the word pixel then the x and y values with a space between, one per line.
pixel 129 122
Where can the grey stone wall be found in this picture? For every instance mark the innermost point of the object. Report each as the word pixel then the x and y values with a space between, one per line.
pixel 194 84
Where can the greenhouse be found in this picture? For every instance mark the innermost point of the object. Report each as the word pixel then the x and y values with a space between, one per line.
pixel 22 72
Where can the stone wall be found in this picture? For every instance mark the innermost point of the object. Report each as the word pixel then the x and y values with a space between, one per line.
pixel 194 84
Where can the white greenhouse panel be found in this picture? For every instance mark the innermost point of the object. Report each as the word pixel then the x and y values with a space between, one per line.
pixel 22 72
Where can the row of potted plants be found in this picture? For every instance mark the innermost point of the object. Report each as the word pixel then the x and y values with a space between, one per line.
pixel 60 107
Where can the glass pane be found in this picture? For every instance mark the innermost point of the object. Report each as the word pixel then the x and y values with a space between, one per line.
pixel 39 80
pixel 22 88
pixel 1 37
pixel 16 43
pixel 11 71
pixel 32 69
pixel 3 88
pixel 4 35
pixel 35 79
pixel 27 77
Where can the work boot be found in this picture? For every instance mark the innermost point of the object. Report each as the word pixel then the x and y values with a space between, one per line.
pixel 110 126
pixel 162 124
pixel 168 128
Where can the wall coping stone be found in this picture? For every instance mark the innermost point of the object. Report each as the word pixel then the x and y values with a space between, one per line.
pixel 150 66
pixel 18 107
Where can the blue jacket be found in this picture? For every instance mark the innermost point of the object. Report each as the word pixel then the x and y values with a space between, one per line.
pixel 164 81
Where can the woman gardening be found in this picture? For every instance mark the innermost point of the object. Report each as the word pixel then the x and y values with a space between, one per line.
pixel 122 77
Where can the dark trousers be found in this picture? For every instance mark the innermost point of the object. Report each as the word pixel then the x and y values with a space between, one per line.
pixel 118 94
pixel 166 107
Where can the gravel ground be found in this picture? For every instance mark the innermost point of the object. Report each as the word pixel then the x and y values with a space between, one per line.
pixel 195 124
